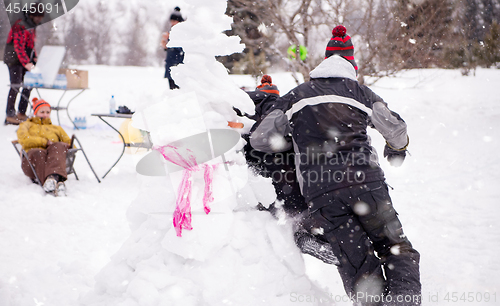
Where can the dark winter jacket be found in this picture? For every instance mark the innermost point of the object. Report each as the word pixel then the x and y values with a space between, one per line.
pixel 263 97
pixel 20 47
pixel 280 167
pixel 327 119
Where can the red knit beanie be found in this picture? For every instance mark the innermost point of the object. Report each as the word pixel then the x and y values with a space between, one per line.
pixel 341 44
pixel 37 104
pixel 266 79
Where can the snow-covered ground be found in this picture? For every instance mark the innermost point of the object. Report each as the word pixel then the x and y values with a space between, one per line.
pixel 446 192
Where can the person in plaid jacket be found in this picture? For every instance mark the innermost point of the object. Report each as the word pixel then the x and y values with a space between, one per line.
pixel 20 57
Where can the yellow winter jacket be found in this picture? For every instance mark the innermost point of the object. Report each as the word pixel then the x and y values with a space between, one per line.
pixel 35 132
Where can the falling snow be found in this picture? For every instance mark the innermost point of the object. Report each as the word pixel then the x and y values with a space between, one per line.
pixel 446 193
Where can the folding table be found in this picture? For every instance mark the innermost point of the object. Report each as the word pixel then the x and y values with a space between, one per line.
pixel 145 144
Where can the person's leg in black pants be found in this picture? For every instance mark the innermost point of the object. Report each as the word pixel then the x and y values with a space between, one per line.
pixel 24 101
pixel 175 56
pixel 399 259
pixel 359 268
pixel 365 233
pixel 16 73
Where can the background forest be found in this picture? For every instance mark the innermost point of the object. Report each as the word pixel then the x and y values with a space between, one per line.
pixel 388 35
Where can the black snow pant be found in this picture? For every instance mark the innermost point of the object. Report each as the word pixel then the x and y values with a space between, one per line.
pixel 175 56
pixel 367 237
pixel 16 73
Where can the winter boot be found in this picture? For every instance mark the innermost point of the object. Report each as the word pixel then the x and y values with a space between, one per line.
pixel 310 244
pixel 21 117
pixel 11 120
pixel 50 184
pixel 60 189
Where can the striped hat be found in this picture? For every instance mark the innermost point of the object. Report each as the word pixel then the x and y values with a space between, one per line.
pixel 341 44
pixel 268 86
pixel 37 104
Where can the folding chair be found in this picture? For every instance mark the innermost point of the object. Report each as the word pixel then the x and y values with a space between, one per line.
pixel 70 158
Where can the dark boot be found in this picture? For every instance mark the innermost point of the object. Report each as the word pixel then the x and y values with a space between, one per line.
pixel 11 120
pixel 310 244
pixel 21 117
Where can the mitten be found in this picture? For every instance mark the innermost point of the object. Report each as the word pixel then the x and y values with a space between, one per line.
pixel 394 157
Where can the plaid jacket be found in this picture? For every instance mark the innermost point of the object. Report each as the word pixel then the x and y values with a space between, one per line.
pixel 23 40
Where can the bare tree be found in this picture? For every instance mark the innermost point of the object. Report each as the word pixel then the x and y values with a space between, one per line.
pixel 489 49
pixel 295 24
pixel 422 32
pixel 75 34
pixel 135 42
pixel 388 35
pixel 99 19
pixel 252 24
pixel 475 39
pixel 4 29
pixel 307 23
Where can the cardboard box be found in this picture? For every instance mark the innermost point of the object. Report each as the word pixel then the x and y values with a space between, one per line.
pixel 76 78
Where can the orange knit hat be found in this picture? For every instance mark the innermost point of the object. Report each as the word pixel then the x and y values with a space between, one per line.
pixel 268 86
pixel 38 103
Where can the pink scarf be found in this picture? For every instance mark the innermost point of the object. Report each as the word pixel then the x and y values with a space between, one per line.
pixel 182 214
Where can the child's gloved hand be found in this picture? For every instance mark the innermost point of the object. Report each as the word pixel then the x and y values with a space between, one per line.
pixel 394 157
pixel 238 112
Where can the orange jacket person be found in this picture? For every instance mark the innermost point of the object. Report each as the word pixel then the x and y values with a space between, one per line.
pixel 46 146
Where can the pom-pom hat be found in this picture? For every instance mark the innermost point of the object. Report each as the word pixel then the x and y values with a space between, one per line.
pixel 268 86
pixel 38 104
pixel 341 44
pixel 176 15
pixel 266 79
